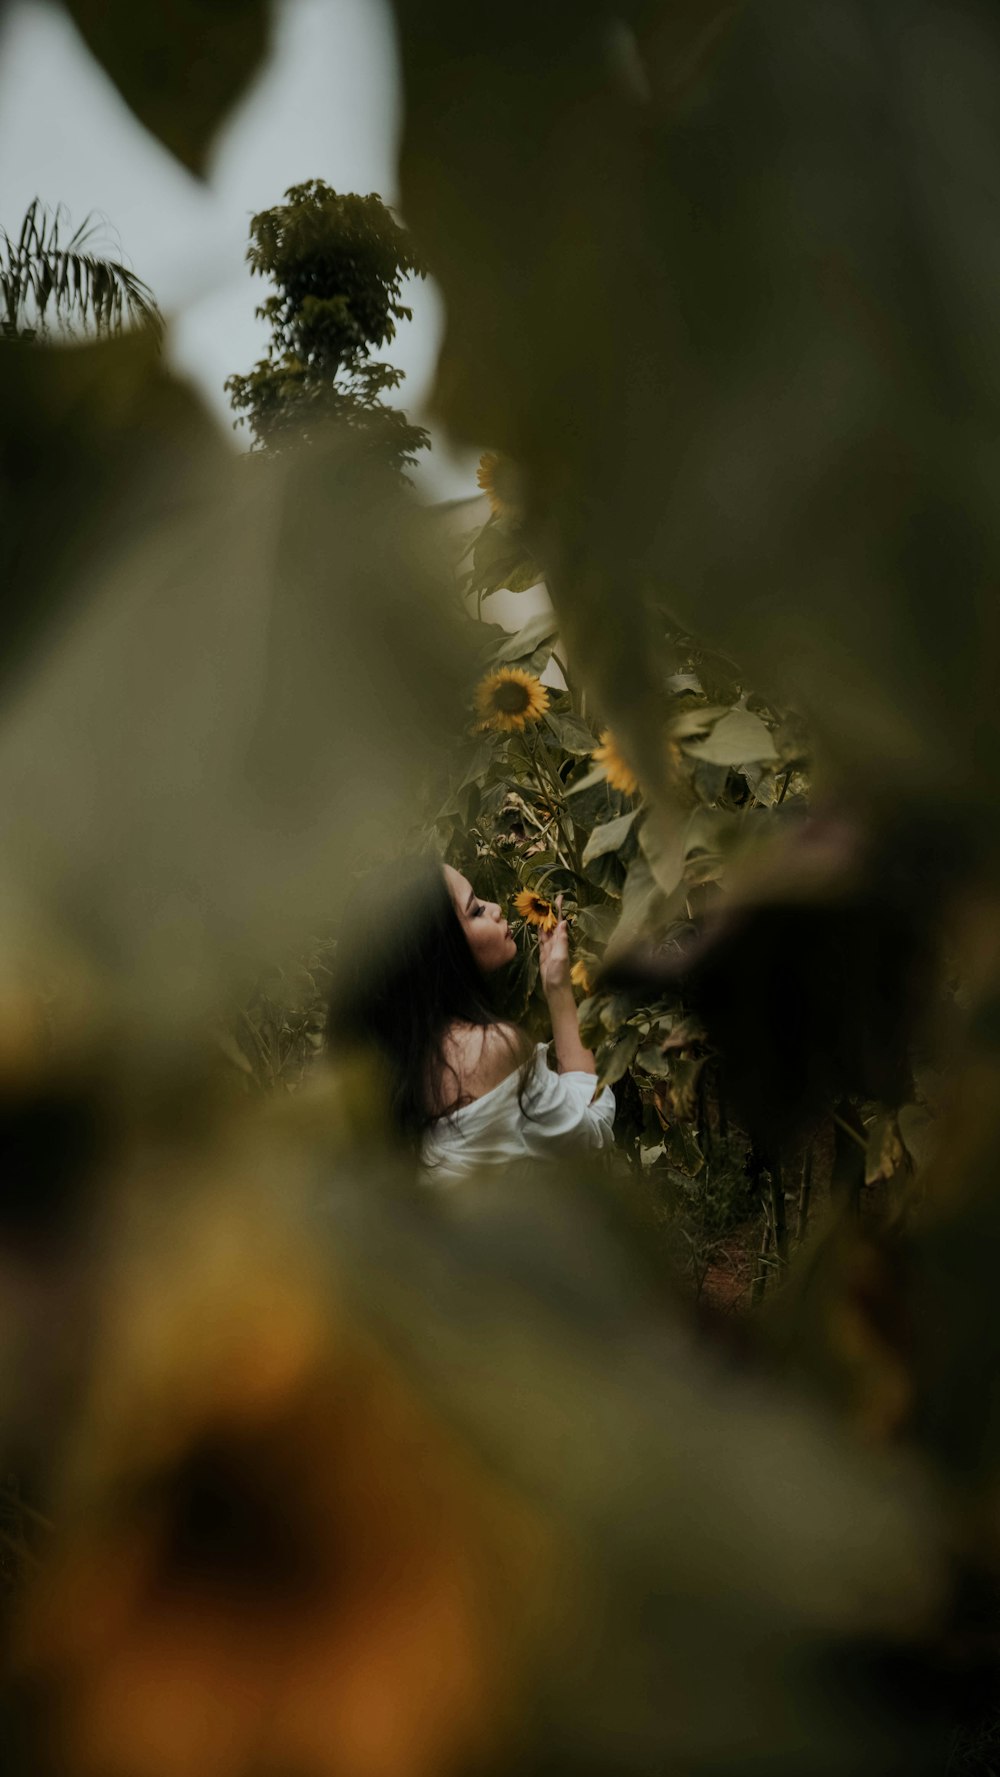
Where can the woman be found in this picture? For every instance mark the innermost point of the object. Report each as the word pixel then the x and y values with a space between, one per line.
pixel 466 1088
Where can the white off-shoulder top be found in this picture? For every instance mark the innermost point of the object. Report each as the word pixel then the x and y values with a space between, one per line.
pixel 558 1118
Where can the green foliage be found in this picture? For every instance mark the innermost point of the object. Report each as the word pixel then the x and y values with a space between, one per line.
pixel 46 278
pixel 501 559
pixel 528 810
pixel 338 264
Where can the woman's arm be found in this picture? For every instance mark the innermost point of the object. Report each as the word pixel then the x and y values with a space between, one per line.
pixel 553 963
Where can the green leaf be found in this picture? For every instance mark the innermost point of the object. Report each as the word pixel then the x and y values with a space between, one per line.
pixel 476 767
pixel 609 838
pixel 642 898
pixel 653 1061
pixel 180 68
pixel 590 782
pixel 618 1060
pixel 608 873
pixel 573 735
pixel 683 1150
pixel 538 631
pixel 615 1008
pixel 500 561
pixel 692 723
pixel 596 924
pixel 86 430
pixel 487 637
pixel 662 840
pixel 738 738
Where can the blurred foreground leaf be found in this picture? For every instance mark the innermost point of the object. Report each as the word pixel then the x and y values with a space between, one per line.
pixel 254 674
pixel 96 443
pixel 180 68
pixel 338 1441
pixel 785 438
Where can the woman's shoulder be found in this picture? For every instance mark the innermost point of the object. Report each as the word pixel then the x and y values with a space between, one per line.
pixel 482 1056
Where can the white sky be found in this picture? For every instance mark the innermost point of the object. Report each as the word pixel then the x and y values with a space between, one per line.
pixel 326 107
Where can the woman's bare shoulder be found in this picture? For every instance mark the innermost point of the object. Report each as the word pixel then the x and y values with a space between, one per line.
pixel 481 1057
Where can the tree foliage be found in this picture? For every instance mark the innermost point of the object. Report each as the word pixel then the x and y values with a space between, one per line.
pixel 338 263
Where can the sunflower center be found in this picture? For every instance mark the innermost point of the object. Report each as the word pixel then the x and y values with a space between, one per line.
pixel 512 699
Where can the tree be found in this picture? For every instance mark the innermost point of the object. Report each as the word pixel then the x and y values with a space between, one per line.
pixel 338 263
pixel 43 276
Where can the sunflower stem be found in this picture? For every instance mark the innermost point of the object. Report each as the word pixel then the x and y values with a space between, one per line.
pixel 542 826
pixel 549 788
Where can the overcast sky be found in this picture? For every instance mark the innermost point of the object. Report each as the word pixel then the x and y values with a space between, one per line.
pixel 327 107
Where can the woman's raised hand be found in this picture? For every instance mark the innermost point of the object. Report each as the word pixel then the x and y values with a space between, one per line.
pixel 553 954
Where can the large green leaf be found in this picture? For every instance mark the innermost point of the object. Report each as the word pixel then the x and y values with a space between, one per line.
pixel 738 738
pixel 535 634
pixel 590 781
pixel 607 872
pixel 683 1149
pixel 662 838
pixel 573 735
pixel 596 924
pixel 474 772
pixel 750 429
pixel 181 67
pixel 501 561
pixel 609 838
pixel 643 903
pixel 619 1057
pixel 254 677
pixel 95 440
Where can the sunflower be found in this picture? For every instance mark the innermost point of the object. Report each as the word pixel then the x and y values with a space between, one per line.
pixel 617 770
pixel 498 479
pixel 580 978
pixel 535 910
pixel 510 698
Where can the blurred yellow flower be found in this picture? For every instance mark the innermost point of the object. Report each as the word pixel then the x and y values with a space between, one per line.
pixel 535 910
pixel 580 978
pixel 274 1556
pixel 616 768
pixel 510 698
pixel 498 479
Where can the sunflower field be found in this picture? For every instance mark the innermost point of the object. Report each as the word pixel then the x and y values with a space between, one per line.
pixel 682 1459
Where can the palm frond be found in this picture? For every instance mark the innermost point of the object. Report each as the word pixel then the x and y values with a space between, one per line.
pixel 41 276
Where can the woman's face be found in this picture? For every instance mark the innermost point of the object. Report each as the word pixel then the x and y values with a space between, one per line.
pixel 482 922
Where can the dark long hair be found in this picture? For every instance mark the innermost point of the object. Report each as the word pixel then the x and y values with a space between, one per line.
pixel 404 973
